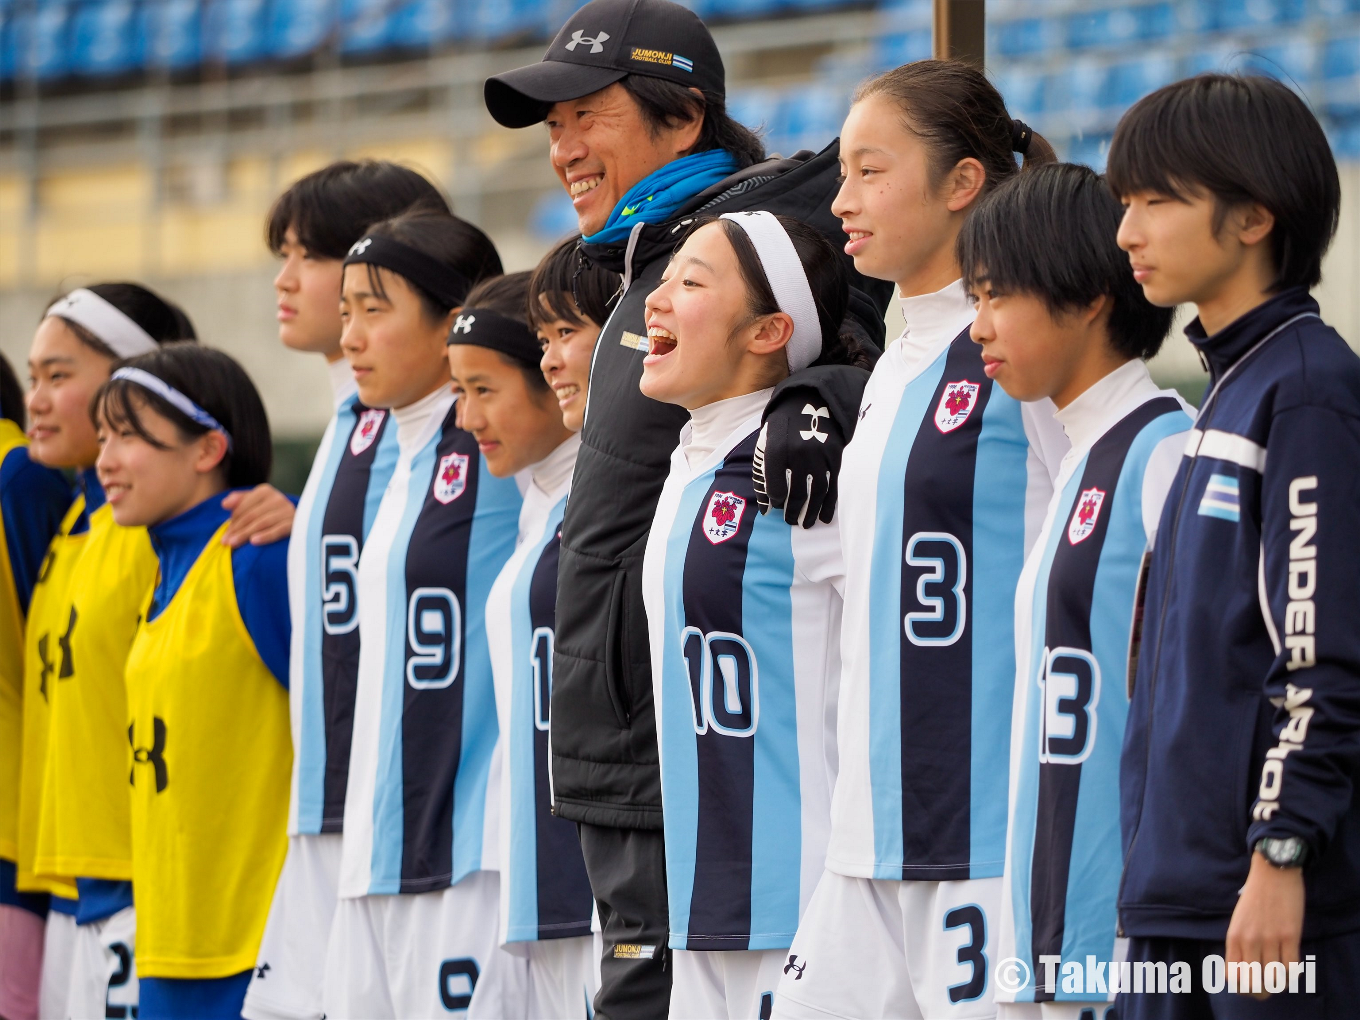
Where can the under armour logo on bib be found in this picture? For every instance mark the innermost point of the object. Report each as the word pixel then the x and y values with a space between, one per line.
pixel 153 756
pixel 816 414
pixel 579 38
pixel 463 324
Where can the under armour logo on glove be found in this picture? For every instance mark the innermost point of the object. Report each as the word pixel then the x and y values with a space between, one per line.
pixel 463 324
pixel 579 38
pixel 816 414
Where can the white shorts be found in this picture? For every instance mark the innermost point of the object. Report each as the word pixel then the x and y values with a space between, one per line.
pixel 420 955
pixel 558 981
pixel 59 943
pixel 104 968
pixel 725 985
pixel 292 960
pixel 896 950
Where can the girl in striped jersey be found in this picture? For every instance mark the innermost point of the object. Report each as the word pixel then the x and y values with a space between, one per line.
pixel 1061 317
pixel 415 929
pixel 943 488
pixel 206 676
pixel 743 611
pixel 74 828
pixel 311 228
pixel 33 500
pixel 505 402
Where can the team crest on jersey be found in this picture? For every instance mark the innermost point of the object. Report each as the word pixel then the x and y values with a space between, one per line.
pixel 723 516
pixel 367 430
pixel 1085 517
pixel 956 404
pixel 451 478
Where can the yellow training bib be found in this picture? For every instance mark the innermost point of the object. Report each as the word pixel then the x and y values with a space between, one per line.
pixel 48 614
pixel 11 673
pixel 84 826
pixel 211 764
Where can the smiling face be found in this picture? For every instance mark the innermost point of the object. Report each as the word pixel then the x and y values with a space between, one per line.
pixel 601 147
pixel 308 290
pixel 567 350
pixel 515 425
pixel 146 482
pixel 64 373
pixel 900 222
pixel 394 350
pixel 705 345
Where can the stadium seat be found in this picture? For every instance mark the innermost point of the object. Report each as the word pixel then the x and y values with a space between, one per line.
pixel 40 35
pixel 365 25
pixel 499 19
pixel 170 32
pixel 297 27
pixel 1237 14
pixel 1339 68
pixel 1024 36
pixel 418 24
pixel 902 48
pixel 1105 26
pixel 104 39
pixel 233 31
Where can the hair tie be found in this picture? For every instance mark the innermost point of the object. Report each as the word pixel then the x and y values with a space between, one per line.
pixel 788 281
pixel 1021 135
pixel 481 327
pixel 110 324
pixel 176 399
pixel 447 286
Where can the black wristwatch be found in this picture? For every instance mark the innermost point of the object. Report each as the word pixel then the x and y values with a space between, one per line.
pixel 1290 852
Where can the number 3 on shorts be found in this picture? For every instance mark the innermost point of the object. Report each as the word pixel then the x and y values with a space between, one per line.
pixel 971 954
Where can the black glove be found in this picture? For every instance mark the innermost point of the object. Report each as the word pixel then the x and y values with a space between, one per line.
pixel 808 421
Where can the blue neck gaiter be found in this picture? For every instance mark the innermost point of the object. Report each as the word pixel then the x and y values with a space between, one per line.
pixel 656 197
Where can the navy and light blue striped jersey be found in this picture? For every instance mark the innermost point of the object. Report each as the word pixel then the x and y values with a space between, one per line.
pixel 1073 616
pixel 744 620
pixel 942 491
pixel 545 892
pixel 420 804
pixel 353 464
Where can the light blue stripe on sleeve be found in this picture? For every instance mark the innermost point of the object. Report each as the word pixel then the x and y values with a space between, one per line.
pixel 495 528
pixel 777 822
pixel 885 623
pixel 389 790
pixel 1000 483
pixel 311 751
pixel 680 757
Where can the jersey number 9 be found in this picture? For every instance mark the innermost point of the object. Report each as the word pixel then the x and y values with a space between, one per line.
pixel 434 630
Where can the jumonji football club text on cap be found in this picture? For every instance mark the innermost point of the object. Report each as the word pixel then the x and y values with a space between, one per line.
pixel 601 43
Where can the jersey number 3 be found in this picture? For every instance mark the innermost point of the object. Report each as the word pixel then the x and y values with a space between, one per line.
pixel 1069 689
pixel 939 590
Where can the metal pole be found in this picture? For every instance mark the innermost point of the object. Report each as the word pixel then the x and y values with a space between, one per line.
pixel 960 31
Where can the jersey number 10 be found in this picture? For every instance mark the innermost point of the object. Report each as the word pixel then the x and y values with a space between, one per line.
pixel 724 682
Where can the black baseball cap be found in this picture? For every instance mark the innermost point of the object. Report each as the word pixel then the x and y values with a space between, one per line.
pixel 599 44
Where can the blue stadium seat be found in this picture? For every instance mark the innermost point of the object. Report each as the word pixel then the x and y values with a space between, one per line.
pixel 1236 14
pixel 1103 26
pixel 1339 68
pixel 1024 36
pixel 104 38
pixel 233 31
pixel 41 40
pixel 170 32
pixel 1129 81
pixel 1023 89
pixel 553 217
pixel 1156 21
pixel 298 27
pixel 753 106
pixel 365 25
pixel 1291 60
pixel 901 48
pixel 499 19
pixel 419 24
pixel 1092 150
pixel 6 40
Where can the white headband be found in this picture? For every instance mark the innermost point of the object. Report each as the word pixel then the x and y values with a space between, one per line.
pixel 172 396
pixel 88 309
pixel 788 280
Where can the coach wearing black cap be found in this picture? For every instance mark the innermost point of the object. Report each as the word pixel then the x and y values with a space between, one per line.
pixel 632 92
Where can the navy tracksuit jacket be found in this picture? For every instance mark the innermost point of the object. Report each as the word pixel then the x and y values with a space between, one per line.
pixel 1245 716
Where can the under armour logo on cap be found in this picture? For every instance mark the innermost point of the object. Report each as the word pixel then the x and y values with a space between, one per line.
pixel 816 414
pixel 579 38
pixel 359 247
pixel 463 324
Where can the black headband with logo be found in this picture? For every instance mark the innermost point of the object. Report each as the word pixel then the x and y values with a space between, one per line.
pixel 481 327
pixel 446 286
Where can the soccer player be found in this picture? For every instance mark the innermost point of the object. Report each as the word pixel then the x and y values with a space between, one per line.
pixel 415 929
pixel 1061 317
pixel 743 611
pixel 943 489
pixel 74 830
pixel 33 500
pixel 1240 825
pixel 506 404
pixel 206 677
pixel 570 299
pixel 311 228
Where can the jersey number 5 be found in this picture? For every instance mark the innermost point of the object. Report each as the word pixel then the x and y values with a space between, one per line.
pixel 434 630
pixel 724 682
pixel 339 582
pixel 1069 688
pixel 939 590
